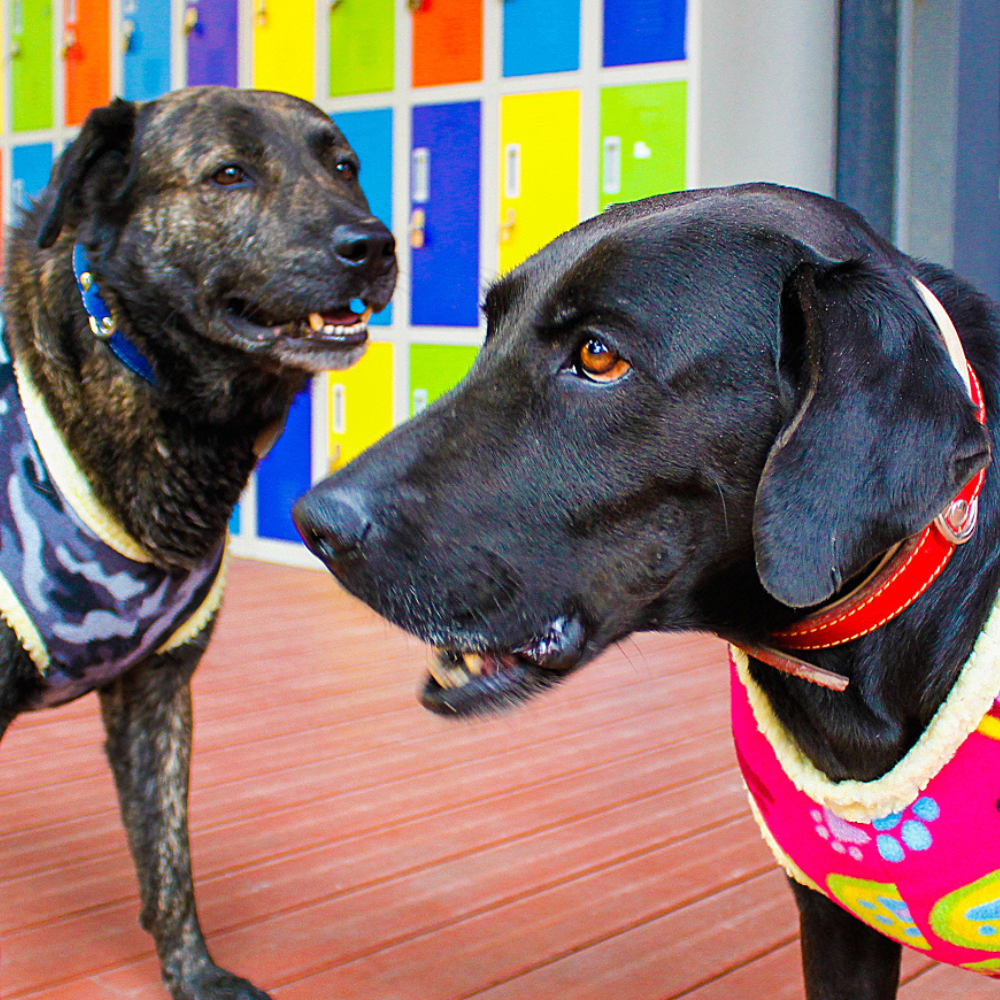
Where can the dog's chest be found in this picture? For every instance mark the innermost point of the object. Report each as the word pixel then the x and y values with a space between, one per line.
pixel 918 856
pixel 84 600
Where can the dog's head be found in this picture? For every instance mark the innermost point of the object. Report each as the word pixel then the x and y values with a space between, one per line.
pixel 233 214
pixel 699 411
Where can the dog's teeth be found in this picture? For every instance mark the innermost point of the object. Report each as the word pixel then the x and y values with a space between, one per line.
pixel 366 315
pixel 450 674
pixel 315 322
pixel 330 329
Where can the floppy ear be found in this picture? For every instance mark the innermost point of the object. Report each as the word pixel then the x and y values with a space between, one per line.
pixel 103 146
pixel 880 436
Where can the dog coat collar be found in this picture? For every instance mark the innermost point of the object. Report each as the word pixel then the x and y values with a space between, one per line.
pixel 84 598
pixel 103 324
pixel 905 572
pixel 915 854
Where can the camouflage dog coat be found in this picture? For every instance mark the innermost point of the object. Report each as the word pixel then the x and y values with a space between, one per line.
pixel 83 597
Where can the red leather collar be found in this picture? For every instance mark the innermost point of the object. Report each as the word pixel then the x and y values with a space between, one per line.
pixel 903 574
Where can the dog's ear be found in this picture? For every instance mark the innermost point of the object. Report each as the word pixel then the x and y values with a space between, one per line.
pixel 105 143
pixel 880 433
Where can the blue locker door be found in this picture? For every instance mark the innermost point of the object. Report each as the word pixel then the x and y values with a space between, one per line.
pixel 370 136
pixel 540 36
pixel 444 214
pixel 211 27
pixel 643 31
pixel 285 473
pixel 146 37
pixel 30 169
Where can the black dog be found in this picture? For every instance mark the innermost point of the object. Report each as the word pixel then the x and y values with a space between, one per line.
pixel 191 263
pixel 712 410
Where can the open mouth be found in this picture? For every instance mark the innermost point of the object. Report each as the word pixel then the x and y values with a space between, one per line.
pixel 341 327
pixel 467 682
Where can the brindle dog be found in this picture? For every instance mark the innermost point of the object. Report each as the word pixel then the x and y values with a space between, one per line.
pixel 219 237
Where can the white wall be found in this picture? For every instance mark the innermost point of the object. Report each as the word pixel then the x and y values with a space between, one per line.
pixel 768 92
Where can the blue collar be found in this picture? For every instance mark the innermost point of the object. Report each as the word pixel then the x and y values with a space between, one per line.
pixel 103 324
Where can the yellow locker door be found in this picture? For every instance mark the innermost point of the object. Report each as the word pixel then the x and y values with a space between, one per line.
pixel 539 171
pixel 284 46
pixel 360 401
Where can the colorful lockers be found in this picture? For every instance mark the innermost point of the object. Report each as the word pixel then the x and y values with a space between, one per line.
pixel 484 127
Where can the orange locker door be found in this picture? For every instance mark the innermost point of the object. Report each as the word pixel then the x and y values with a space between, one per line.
pixel 447 42
pixel 87 52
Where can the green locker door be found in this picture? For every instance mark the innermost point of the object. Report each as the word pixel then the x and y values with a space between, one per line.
pixel 31 64
pixel 643 147
pixel 539 171
pixel 434 369
pixel 362 46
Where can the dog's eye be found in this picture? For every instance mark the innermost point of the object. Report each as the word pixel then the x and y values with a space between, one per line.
pixel 599 362
pixel 229 175
pixel 347 170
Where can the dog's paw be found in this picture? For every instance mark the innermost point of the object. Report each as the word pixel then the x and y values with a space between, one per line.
pixel 217 984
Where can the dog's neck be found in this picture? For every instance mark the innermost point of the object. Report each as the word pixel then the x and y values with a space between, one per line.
pixel 901 672
pixel 904 572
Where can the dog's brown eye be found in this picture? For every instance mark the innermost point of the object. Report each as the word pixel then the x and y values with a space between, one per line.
pixel 601 363
pixel 347 170
pixel 229 175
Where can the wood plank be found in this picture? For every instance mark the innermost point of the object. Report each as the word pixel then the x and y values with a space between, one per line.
pixel 591 943
pixel 347 843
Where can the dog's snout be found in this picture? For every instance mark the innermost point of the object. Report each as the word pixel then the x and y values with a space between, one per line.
pixel 364 245
pixel 332 523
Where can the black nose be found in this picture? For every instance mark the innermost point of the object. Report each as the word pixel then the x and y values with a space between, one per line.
pixel 332 522
pixel 365 246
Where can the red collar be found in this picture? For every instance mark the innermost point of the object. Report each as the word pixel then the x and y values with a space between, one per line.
pixel 905 571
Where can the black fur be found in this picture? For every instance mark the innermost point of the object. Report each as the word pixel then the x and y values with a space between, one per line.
pixel 211 281
pixel 789 414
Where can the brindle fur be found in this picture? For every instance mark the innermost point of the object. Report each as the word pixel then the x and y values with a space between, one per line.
pixel 170 248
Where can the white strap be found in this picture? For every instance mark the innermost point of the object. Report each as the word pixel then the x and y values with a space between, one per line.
pixel 948 332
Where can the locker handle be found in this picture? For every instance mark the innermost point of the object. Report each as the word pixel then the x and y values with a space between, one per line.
pixel 128 30
pixel 611 182
pixel 261 11
pixel 334 4
pixel 415 5
pixel 70 41
pixel 507 224
pixel 418 228
pixel 191 18
pixel 338 408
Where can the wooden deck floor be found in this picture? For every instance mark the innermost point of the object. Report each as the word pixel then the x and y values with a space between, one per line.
pixel 350 845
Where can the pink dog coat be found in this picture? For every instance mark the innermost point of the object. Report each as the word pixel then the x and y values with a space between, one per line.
pixel 914 854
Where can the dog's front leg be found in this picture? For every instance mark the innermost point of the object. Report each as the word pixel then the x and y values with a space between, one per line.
pixel 147 717
pixel 843 958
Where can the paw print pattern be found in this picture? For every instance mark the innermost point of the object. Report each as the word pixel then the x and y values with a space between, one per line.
pixel 907 830
pixel 843 837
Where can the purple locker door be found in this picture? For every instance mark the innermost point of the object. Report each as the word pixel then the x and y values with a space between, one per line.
pixel 212 41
